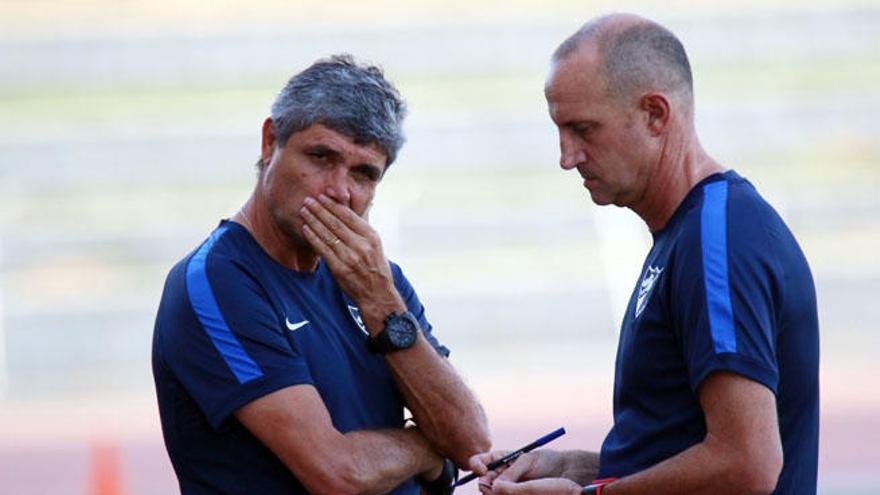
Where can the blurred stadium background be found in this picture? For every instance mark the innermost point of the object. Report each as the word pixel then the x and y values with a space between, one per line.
pixel 128 129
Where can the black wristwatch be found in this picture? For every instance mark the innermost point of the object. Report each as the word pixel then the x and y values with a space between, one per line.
pixel 400 332
pixel 445 483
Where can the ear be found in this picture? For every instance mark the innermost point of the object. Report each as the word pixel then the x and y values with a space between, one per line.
pixel 658 110
pixel 268 145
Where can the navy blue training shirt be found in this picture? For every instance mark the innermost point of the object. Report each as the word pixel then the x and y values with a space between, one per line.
pixel 724 287
pixel 234 325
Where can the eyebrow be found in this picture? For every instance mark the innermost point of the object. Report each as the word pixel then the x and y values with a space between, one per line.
pixel 581 124
pixel 323 148
pixel 375 172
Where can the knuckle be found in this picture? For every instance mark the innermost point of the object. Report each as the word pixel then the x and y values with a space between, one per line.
pixel 374 240
pixel 345 257
pixel 363 249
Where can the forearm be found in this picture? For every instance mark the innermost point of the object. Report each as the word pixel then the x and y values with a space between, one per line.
pixel 580 466
pixel 741 453
pixel 363 462
pixel 704 469
pixel 379 460
pixel 296 426
pixel 445 409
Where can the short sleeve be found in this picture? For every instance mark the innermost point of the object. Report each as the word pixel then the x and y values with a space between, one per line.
pixel 723 291
pixel 414 305
pixel 226 347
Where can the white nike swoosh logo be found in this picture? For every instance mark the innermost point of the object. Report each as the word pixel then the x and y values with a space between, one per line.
pixel 294 326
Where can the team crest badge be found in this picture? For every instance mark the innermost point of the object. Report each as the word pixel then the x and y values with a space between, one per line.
pixel 648 282
pixel 356 316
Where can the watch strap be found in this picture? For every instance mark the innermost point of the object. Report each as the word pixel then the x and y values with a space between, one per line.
pixel 596 487
pixel 379 343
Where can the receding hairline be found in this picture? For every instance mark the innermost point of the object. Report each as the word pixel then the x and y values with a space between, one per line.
pixel 659 60
pixel 600 31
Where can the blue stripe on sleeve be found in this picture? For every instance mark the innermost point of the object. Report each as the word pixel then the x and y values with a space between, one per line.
pixel 205 306
pixel 713 225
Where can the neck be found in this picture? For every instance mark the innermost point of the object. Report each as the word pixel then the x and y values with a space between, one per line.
pixel 293 253
pixel 680 167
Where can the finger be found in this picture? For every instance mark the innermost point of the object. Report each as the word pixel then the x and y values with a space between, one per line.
pixel 546 486
pixel 517 469
pixel 487 479
pixel 363 243
pixel 501 487
pixel 319 245
pixel 345 214
pixel 542 487
pixel 477 462
pixel 328 218
pixel 487 458
pixel 329 239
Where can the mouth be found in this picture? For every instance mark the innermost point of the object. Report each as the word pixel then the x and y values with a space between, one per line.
pixel 586 174
pixel 588 178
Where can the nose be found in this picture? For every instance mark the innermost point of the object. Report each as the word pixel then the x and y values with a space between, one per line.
pixel 337 187
pixel 570 154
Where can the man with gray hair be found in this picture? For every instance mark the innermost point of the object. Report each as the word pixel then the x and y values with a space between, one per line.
pixel 286 345
pixel 716 382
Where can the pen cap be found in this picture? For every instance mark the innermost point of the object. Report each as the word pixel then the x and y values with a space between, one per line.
pixel 550 436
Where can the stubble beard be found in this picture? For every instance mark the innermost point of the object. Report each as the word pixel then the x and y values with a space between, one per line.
pixel 284 222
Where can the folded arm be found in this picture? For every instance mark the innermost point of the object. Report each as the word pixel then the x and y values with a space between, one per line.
pixel 445 409
pixel 443 406
pixel 296 426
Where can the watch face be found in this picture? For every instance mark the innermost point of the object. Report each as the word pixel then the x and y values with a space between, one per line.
pixel 402 331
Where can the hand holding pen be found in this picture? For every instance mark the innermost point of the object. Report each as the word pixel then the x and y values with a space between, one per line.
pixel 512 456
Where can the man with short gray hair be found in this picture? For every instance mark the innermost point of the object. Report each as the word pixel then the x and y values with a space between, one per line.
pixel 716 381
pixel 286 345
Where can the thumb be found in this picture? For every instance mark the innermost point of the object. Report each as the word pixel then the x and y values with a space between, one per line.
pixel 476 464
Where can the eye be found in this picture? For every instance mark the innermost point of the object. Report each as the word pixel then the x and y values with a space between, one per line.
pixel 366 173
pixel 583 129
pixel 320 155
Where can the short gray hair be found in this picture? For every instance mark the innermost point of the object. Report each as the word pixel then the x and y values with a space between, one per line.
pixel 639 57
pixel 349 97
pixel 647 55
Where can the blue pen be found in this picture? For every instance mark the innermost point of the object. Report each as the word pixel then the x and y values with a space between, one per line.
pixel 507 459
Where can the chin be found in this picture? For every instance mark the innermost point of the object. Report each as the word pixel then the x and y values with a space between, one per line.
pixel 600 200
pixel 291 231
pixel 297 238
